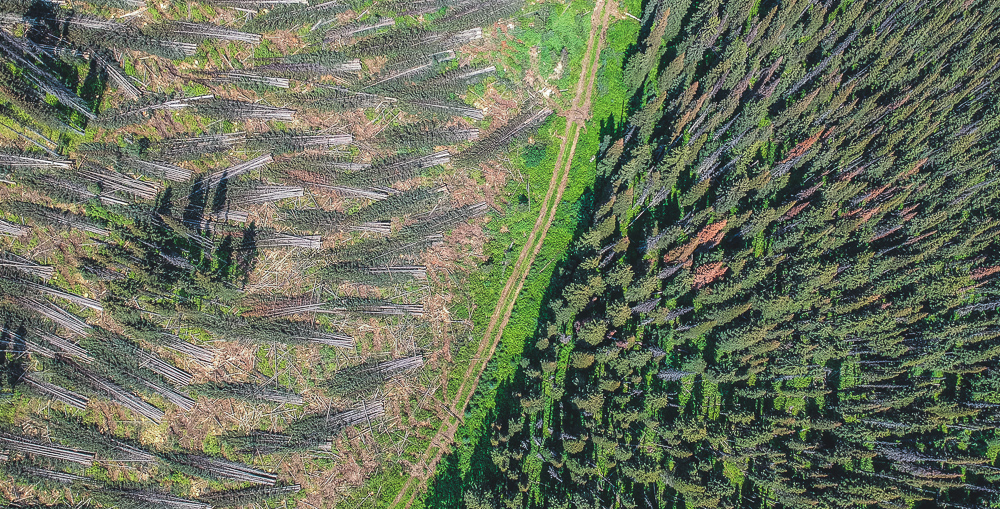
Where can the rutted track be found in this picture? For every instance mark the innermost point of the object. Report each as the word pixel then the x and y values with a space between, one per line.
pixel 576 115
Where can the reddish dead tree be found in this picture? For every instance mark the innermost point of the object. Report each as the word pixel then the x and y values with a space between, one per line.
pixel 708 273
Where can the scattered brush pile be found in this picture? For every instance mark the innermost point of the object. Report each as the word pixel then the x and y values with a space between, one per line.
pixel 165 204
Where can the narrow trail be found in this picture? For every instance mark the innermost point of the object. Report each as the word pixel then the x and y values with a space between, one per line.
pixel 576 116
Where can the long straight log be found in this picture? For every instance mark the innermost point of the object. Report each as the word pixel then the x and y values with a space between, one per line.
pixel 64 345
pixel 265 194
pixel 119 394
pixel 36 348
pixel 239 77
pixel 196 352
pixel 329 339
pixel 27 266
pixel 116 76
pixel 172 373
pixel 255 4
pixel 398 365
pixel 56 314
pixel 232 498
pixel 417 271
pixel 61 477
pixel 200 145
pixel 239 216
pixel 31 446
pixel 162 170
pixel 384 227
pixel 209 31
pixel 181 400
pixel 171 105
pixel 10 229
pixel 18 161
pixel 453 109
pixel 119 182
pixel 21 51
pixel 240 110
pixel 161 499
pixel 72 297
pixel 237 170
pixel 370 194
pixel 67 396
pixel 281 240
pixel 345 32
pixel 362 412
pixel 224 468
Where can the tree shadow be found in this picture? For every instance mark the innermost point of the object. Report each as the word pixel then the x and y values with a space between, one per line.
pixel 197 200
pixel 221 194
pixel 12 350
pixel 246 253
pixel 224 262
pixel 92 90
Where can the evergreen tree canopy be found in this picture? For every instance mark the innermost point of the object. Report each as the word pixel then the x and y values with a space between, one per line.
pixel 785 294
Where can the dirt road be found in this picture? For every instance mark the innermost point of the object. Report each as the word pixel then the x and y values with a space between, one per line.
pixel 576 115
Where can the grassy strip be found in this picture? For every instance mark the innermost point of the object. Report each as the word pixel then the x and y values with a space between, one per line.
pixel 524 323
pixel 525 320
pixel 508 231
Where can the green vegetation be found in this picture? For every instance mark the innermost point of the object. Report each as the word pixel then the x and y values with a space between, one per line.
pixel 781 293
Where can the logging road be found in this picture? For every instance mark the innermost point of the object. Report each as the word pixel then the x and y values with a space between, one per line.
pixel 576 115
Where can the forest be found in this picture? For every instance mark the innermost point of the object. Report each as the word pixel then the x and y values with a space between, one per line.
pixel 783 288
pixel 282 253
pixel 229 231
